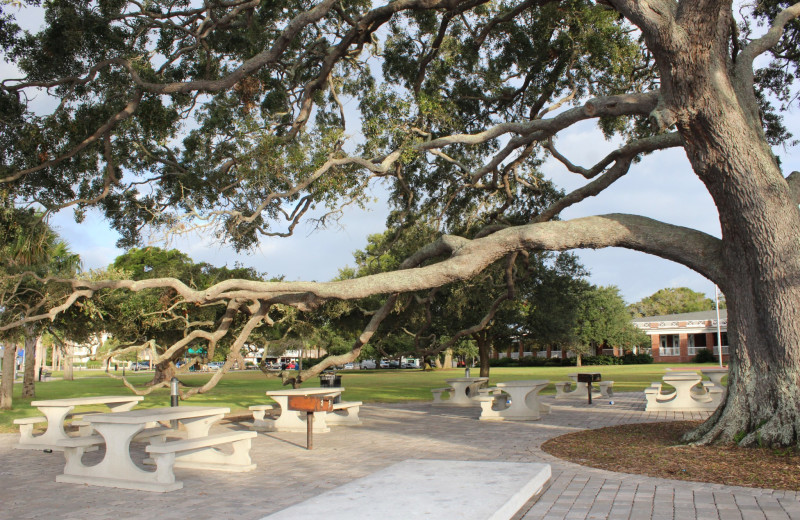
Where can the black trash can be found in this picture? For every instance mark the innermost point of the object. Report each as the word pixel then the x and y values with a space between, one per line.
pixel 331 380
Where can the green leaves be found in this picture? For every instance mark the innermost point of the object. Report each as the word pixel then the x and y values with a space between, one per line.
pixel 672 301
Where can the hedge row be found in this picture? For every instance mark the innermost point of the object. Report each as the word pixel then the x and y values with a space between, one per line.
pixel 533 361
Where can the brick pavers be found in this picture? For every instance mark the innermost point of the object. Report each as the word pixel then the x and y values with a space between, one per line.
pixel 287 473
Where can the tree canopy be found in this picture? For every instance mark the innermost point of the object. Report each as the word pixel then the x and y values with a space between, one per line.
pixel 673 301
pixel 604 320
pixel 158 319
pixel 239 117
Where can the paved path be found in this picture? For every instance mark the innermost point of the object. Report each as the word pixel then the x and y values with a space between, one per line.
pixel 287 473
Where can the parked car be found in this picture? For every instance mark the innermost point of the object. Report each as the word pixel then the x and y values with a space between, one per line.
pixel 367 364
pixel 394 364
pixel 140 365
pixel 409 365
pixel 384 363
pixel 215 365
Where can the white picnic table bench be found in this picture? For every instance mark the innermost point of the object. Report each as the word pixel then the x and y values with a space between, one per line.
pixel 690 393
pixel 56 412
pixel 522 402
pixel 197 451
pixel 462 391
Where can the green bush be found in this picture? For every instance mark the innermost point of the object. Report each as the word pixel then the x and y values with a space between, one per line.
pixel 94 364
pixel 636 359
pixel 532 361
pixel 601 360
pixel 704 356
pixel 503 362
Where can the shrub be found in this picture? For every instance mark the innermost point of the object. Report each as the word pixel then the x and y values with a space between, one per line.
pixel 601 360
pixel 704 356
pixel 636 359
pixel 502 362
pixel 94 364
pixel 532 361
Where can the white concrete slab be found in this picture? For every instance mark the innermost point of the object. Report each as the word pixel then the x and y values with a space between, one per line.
pixel 435 489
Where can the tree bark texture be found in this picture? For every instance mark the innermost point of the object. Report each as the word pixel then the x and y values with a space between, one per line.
pixel 7 383
pixel 164 372
pixel 69 351
pixel 29 377
pixel 716 115
pixel 484 351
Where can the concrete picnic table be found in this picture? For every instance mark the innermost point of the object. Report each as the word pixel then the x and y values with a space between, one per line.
pixel 525 403
pixel 117 469
pixel 294 421
pixel 55 412
pixel 465 389
pixel 715 375
pixel 688 396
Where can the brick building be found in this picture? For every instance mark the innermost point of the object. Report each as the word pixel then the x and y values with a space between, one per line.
pixel 678 337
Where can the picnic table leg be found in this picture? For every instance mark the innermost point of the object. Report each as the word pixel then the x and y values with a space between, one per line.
pixel 310 430
pixel 56 415
pixel 198 427
pixel 117 469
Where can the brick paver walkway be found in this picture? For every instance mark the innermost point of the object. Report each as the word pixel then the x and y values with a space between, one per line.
pixel 287 473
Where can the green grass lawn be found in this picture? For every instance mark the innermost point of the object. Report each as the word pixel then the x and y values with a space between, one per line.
pixel 240 389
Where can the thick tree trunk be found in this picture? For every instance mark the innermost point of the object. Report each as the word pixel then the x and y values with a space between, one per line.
pixel 39 361
pixel 484 352
pixel 69 350
pixel 164 372
pixel 7 383
pixel 717 118
pixel 29 377
pixel 448 358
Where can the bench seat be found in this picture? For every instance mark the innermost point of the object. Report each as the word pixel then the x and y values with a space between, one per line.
pixel 40 418
pixel 437 394
pixel 345 413
pixel 201 453
pixel 30 420
pixel 259 412
pixel 26 425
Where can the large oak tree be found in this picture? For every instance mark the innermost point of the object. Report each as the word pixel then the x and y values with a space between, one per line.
pixel 241 116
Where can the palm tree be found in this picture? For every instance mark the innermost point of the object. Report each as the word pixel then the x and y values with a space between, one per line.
pixel 28 246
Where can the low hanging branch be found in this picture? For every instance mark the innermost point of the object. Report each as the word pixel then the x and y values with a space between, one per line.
pixel 697 250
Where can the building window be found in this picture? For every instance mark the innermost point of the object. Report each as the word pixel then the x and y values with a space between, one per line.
pixel 670 345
